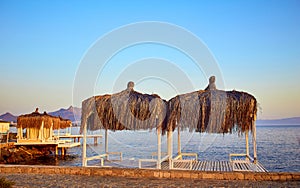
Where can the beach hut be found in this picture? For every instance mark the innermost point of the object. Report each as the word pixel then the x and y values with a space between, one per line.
pixel 213 111
pixel 126 110
pixel 39 126
pixel 4 130
pixel 4 127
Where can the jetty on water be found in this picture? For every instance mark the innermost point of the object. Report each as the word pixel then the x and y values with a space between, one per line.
pixel 39 129
pixel 77 137
pixel 204 111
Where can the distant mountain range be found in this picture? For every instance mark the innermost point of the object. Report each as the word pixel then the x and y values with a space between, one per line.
pixel 285 121
pixel 8 117
pixel 74 114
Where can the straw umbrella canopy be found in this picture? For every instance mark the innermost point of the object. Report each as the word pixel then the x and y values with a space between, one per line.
pixel 126 110
pixel 212 111
pixel 35 119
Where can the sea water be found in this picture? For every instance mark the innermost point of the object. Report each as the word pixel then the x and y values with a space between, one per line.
pixel 277 146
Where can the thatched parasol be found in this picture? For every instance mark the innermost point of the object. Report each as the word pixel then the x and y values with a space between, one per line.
pixel 35 119
pixel 64 123
pixel 127 109
pixel 212 111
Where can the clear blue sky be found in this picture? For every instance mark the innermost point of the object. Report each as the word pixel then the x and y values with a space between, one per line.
pixel 256 44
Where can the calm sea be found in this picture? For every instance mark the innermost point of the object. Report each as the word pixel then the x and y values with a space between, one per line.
pixel 278 147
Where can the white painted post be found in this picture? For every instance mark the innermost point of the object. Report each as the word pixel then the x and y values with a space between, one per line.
pixel 42 131
pixel 178 141
pixel 51 132
pixel 158 144
pixel 170 146
pixel 106 143
pixel 84 160
pixel 20 133
pixel 158 147
pixel 254 140
pixel 247 144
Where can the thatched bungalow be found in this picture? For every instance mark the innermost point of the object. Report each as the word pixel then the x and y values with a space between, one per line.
pixel 39 126
pixel 126 110
pixel 4 127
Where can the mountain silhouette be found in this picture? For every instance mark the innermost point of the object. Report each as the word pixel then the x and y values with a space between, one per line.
pixel 72 113
pixel 8 117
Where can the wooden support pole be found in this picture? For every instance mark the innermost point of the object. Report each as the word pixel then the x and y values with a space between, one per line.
pixel 106 144
pixel 7 137
pixel 20 133
pixel 178 141
pixel 56 150
pixel 84 160
pixel 254 140
pixel 41 132
pixel 51 132
pixel 170 146
pixel 159 147
pixel 106 141
pixel 247 144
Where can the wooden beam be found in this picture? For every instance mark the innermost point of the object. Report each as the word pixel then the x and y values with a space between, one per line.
pixel 170 145
pixel 84 159
pixel 254 139
pixel 51 132
pixel 247 144
pixel 178 140
pixel 106 144
pixel 56 150
pixel 159 147
pixel 106 141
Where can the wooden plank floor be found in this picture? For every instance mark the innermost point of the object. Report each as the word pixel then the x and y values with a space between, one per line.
pixel 221 166
pixel 217 166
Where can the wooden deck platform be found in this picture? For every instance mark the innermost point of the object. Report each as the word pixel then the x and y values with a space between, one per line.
pixel 222 166
pixel 79 136
pixel 60 144
pixel 217 166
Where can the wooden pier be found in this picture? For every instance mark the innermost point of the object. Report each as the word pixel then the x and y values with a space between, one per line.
pixel 222 166
pixel 55 144
pixel 78 137
pixel 213 166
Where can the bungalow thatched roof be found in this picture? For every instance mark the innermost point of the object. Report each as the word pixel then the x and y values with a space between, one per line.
pixel 127 109
pixel 35 119
pixel 209 110
pixel 212 111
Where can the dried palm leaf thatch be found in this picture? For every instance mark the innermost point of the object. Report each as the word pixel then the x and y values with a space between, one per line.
pixel 212 111
pixel 35 119
pixel 64 123
pixel 127 109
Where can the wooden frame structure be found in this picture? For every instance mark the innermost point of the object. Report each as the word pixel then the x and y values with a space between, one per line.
pixel 100 157
pixel 219 112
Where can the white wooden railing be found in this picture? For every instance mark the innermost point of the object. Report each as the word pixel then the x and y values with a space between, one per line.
pixel 105 155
